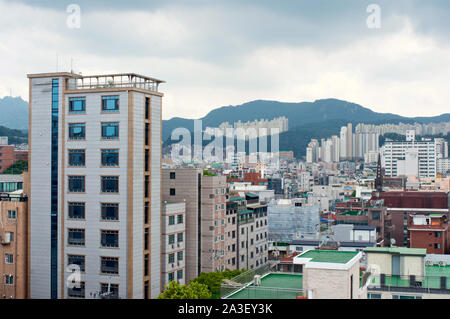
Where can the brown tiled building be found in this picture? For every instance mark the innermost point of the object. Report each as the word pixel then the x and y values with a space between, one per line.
pixel 430 232
pixel 8 156
pixel 13 238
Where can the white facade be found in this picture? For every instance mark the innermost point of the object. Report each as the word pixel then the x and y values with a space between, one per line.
pixel 127 251
pixel 398 158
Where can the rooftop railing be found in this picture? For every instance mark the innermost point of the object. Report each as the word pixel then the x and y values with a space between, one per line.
pixel 126 80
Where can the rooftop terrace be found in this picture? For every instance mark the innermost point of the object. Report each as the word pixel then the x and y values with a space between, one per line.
pixel 328 256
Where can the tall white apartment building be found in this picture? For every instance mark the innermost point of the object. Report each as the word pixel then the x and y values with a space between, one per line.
pixel 405 158
pixel 95 179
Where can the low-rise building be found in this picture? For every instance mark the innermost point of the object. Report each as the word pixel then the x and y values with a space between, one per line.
pixel 173 238
pixel 407 273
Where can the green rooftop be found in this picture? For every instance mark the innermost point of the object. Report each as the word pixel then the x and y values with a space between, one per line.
pixel 328 256
pixel 273 286
pixel 397 250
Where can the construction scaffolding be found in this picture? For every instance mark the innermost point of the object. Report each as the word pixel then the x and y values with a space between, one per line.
pixel 290 219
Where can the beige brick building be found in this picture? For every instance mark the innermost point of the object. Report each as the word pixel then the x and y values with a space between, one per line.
pixel 13 238
pixel 205 217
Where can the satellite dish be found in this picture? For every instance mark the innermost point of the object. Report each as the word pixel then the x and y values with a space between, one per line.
pixel 392 241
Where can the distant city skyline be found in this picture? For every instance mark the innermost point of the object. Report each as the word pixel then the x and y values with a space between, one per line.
pixel 229 53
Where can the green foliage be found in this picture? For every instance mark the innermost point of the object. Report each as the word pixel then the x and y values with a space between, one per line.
pixel 193 291
pixel 213 280
pixel 206 173
pixel 353 194
pixel 17 168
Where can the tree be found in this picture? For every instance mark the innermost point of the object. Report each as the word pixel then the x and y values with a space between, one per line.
pixel 213 280
pixel 193 291
pixel 17 168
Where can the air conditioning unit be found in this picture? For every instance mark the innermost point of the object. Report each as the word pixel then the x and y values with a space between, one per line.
pixel 7 238
pixel 429 263
pixel 257 280
pixel 442 263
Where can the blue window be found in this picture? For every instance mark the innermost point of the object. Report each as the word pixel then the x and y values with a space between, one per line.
pixel 110 130
pixel 110 184
pixel 110 157
pixel 77 104
pixel 76 184
pixel 110 103
pixel 77 131
pixel 77 158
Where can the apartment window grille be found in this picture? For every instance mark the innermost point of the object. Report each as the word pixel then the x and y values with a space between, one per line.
pixel 110 184
pixel 78 260
pixel 77 157
pixel 110 238
pixel 76 184
pixel 110 157
pixel 109 265
pixel 110 291
pixel 76 237
pixel 77 131
pixel 77 292
pixel 110 211
pixel 77 210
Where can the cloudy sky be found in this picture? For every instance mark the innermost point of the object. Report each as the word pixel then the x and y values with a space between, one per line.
pixel 216 53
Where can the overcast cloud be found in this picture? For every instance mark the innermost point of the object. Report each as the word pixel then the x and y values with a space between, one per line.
pixel 215 53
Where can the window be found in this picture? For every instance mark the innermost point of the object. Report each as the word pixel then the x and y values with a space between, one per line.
pixel 77 260
pixel 110 211
pixel 146 213
pixel 172 192
pixel 9 258
pixel 76 184
pixel 9 279
pixel 110 184
pixel 147 108
pixel 77 292
pixel 146 289
pixel 77 131
pixel 171 239
pixel 171 258
pixel 146 264
pixel 110 238
pixel 76 237
pixel 110 130
pixel 146 186
pixel 76 210
pixel 12 214
pixel 437 234
pixel 180 256
pixel 110 103
pixel 180 274
pixel 146 237
pixel 180 237
pixel 77 105
pixel 109 265
pixel 146 159
pixel 172 175
pixel 170 276
pixel 179 219
pixel 437 246
pixel 373 296
pixel 77 158
pixel 110 157
pixel 376 215
pixel 172 220
pixel 110 291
